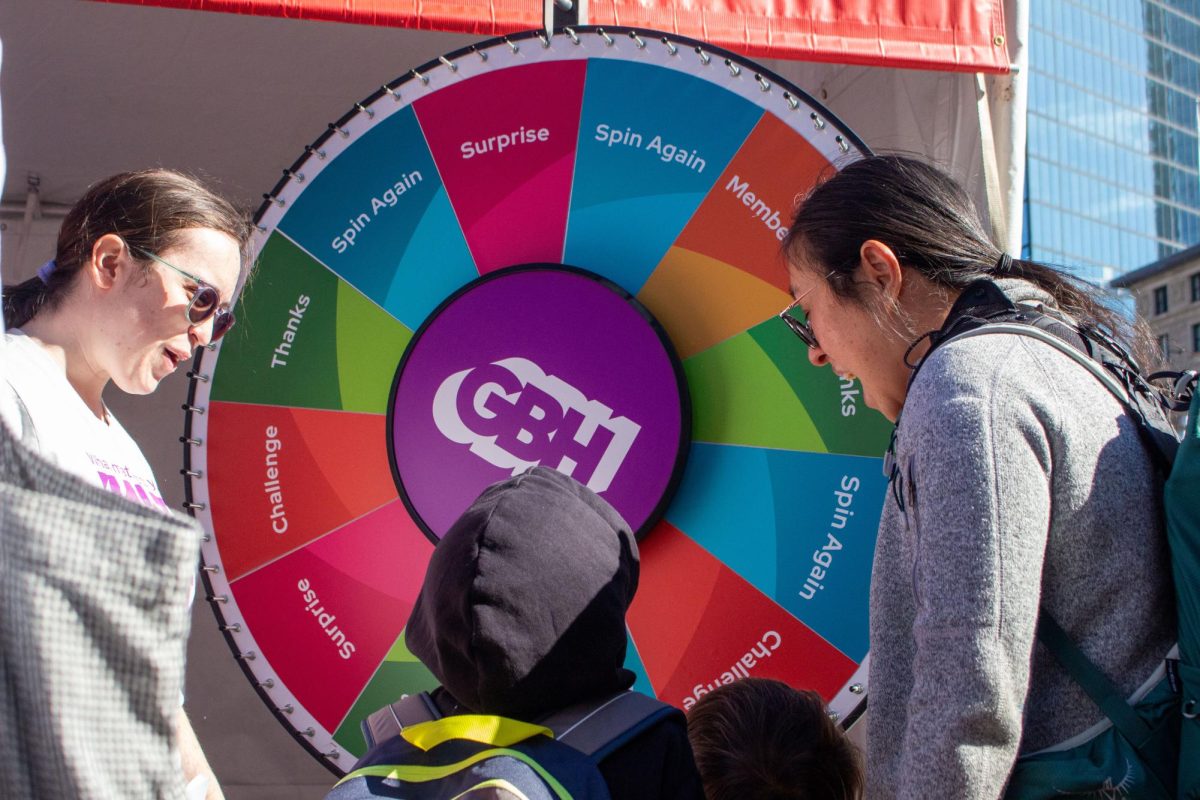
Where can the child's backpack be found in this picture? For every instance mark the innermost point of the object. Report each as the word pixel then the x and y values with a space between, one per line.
pixel 417 754
pixel 1152 749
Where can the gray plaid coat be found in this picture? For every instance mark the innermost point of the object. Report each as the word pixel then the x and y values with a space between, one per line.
pixel 93 624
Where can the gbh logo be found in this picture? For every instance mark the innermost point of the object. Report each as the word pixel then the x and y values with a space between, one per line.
pixel 515 416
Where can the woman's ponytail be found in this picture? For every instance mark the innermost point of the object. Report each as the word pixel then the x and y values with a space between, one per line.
pixel 22 301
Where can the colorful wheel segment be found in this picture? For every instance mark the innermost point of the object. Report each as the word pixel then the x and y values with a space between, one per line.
pixel 391 325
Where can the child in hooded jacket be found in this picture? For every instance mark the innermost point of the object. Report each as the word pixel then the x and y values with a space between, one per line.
pixel 522 614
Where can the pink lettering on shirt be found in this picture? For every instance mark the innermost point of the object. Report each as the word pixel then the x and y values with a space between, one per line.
pixel 131 491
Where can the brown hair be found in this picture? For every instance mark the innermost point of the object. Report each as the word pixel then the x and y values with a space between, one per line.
pixel 759 739
pixel 930 223
pixel 147 209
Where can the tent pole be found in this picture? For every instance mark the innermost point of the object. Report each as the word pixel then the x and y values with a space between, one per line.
pixel 1007 100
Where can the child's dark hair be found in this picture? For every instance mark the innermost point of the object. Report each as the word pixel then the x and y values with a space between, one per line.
pixel 759 739
pixel 147 209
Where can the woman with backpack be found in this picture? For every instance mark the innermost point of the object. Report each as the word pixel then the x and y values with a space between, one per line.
pixel 1019 483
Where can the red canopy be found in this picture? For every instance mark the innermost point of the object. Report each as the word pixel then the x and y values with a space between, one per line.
pixel 958 35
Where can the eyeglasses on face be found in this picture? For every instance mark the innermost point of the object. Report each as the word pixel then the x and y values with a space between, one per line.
pixel 800 328
pixel 205 302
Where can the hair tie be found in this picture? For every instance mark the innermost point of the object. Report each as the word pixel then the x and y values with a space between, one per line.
pixel 1003 265
pixel 44 271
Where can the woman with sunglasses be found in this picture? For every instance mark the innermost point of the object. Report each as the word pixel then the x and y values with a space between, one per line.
pixel 145 270
pixel 1019 484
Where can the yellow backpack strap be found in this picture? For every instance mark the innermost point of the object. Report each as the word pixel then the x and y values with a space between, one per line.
pixel 481 728
pixel 430 773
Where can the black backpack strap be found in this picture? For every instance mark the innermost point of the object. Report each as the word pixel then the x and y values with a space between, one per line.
pixel 983 308
pixel 597 729
pixel 388 721
pixel 1079 356
pixel 981 305
pixel 1099 688
pixel 1157 746
pixel 1137 399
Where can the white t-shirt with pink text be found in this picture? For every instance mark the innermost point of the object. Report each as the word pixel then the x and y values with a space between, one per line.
pixel 50 418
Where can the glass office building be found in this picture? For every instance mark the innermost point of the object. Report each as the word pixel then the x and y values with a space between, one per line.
pixel 1113 165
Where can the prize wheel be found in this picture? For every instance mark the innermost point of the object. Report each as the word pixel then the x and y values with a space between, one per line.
pixel 538 250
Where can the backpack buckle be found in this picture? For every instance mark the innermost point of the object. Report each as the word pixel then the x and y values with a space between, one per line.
pixel 1185 385
pixel 1179 396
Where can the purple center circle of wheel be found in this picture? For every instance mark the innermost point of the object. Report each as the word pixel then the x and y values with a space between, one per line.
pixel 538 364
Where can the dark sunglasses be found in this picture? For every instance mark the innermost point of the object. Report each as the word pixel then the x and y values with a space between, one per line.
pixel 206 300
pixel 801 329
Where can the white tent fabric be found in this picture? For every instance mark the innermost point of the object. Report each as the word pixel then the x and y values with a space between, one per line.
pixel 96 88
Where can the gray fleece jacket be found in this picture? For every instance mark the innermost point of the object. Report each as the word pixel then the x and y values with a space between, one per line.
pixel 1022 482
